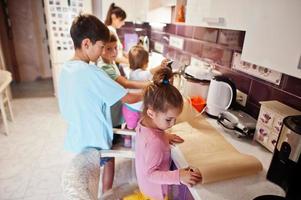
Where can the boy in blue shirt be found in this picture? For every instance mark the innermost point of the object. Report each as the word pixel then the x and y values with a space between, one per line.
pixel 86 93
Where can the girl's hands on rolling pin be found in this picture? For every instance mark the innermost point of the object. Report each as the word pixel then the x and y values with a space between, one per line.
pixel 190 177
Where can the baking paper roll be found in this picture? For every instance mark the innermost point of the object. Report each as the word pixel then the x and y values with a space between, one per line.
pixel 205 148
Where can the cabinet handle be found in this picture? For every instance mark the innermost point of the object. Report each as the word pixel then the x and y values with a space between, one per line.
pixel 214 20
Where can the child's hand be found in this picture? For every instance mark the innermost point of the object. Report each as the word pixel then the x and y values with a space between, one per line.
pixel 190 177
pixel 173 138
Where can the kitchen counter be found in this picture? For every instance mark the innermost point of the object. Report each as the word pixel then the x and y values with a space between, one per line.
pixel 242 188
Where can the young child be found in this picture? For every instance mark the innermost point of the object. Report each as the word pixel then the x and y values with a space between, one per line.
pixel 84 99
pixel 138 59
pixel 115 19
pixel 162 103
pixel 107 63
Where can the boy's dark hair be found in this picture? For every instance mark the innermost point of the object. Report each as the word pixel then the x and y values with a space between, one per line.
pixel 117 11
pixel 138 57
pixel 161 95
pixel 88 26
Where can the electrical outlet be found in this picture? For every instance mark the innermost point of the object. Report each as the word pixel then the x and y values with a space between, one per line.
pixel 159 47
pixel 176 42
pixel 241 98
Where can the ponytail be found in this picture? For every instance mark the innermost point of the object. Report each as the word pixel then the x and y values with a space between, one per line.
pixel 117 11
pixel 161 95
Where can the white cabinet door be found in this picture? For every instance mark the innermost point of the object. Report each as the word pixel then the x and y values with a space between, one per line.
pixel 273 36
pixel 196 10
pixel 230 14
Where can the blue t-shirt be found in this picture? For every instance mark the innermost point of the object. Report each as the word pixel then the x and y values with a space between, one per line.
pixel 86 94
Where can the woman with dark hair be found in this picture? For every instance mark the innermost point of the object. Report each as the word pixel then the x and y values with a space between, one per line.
pixel 115 20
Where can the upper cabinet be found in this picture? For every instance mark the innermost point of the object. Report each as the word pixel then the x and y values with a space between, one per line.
pixel 160 10
pixel 273 36
pixel 273 29
pixel 142 11
pixel 136 10
pixel 230 14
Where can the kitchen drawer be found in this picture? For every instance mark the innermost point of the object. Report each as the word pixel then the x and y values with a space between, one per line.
pixel 272 141
pixel 262 133
pixel 266 116
pixel 277 124
pixel 269 122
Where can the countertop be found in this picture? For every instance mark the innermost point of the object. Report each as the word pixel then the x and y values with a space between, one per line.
pixel 242 188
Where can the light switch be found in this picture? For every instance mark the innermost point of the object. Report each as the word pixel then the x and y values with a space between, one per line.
pixel 176 42
pixel 159 47
pixel 299 66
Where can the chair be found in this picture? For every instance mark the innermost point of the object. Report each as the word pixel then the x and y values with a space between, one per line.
pixel 80 180
pixel 5 80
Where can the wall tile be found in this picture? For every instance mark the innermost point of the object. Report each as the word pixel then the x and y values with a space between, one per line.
pixel 205 34
pixel 185 31
pixel 193 47
pixel 151 44
pixel 160 37
pixel 252 109
pixel 182 59
pixel 259 92
pixel 231 38
pixel 128 24
pixel 241 81
pixel 218 55
pixel 286 98
pixel 170 28
pixel 170 53
pixel 293 85
pixel 263 92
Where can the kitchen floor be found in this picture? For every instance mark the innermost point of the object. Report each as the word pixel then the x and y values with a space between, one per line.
pixel 38 88
pixel 32 157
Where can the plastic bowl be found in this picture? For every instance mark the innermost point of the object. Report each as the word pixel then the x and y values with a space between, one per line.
pixel 198 103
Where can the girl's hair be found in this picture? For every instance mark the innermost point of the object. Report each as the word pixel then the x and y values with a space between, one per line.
pixel 138 57
pixel 161 95
pixel 117 11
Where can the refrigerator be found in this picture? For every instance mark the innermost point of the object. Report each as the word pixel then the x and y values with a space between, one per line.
pixel 59 15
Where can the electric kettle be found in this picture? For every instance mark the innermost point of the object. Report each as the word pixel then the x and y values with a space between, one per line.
pixel 221 95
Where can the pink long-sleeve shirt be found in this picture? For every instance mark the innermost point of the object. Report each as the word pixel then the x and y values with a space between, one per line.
pixel 153 161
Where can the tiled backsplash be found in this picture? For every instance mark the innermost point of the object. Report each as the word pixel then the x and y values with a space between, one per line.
pixel 219 45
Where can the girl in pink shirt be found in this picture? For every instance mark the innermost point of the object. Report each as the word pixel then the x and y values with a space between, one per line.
pixel 162 104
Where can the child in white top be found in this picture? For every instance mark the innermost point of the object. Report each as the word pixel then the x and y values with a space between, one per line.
pixel 138 60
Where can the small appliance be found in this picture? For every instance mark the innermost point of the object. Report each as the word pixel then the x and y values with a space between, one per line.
pixel 237 122
pixel 197 79
pixel 221 95
pixel 285 167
